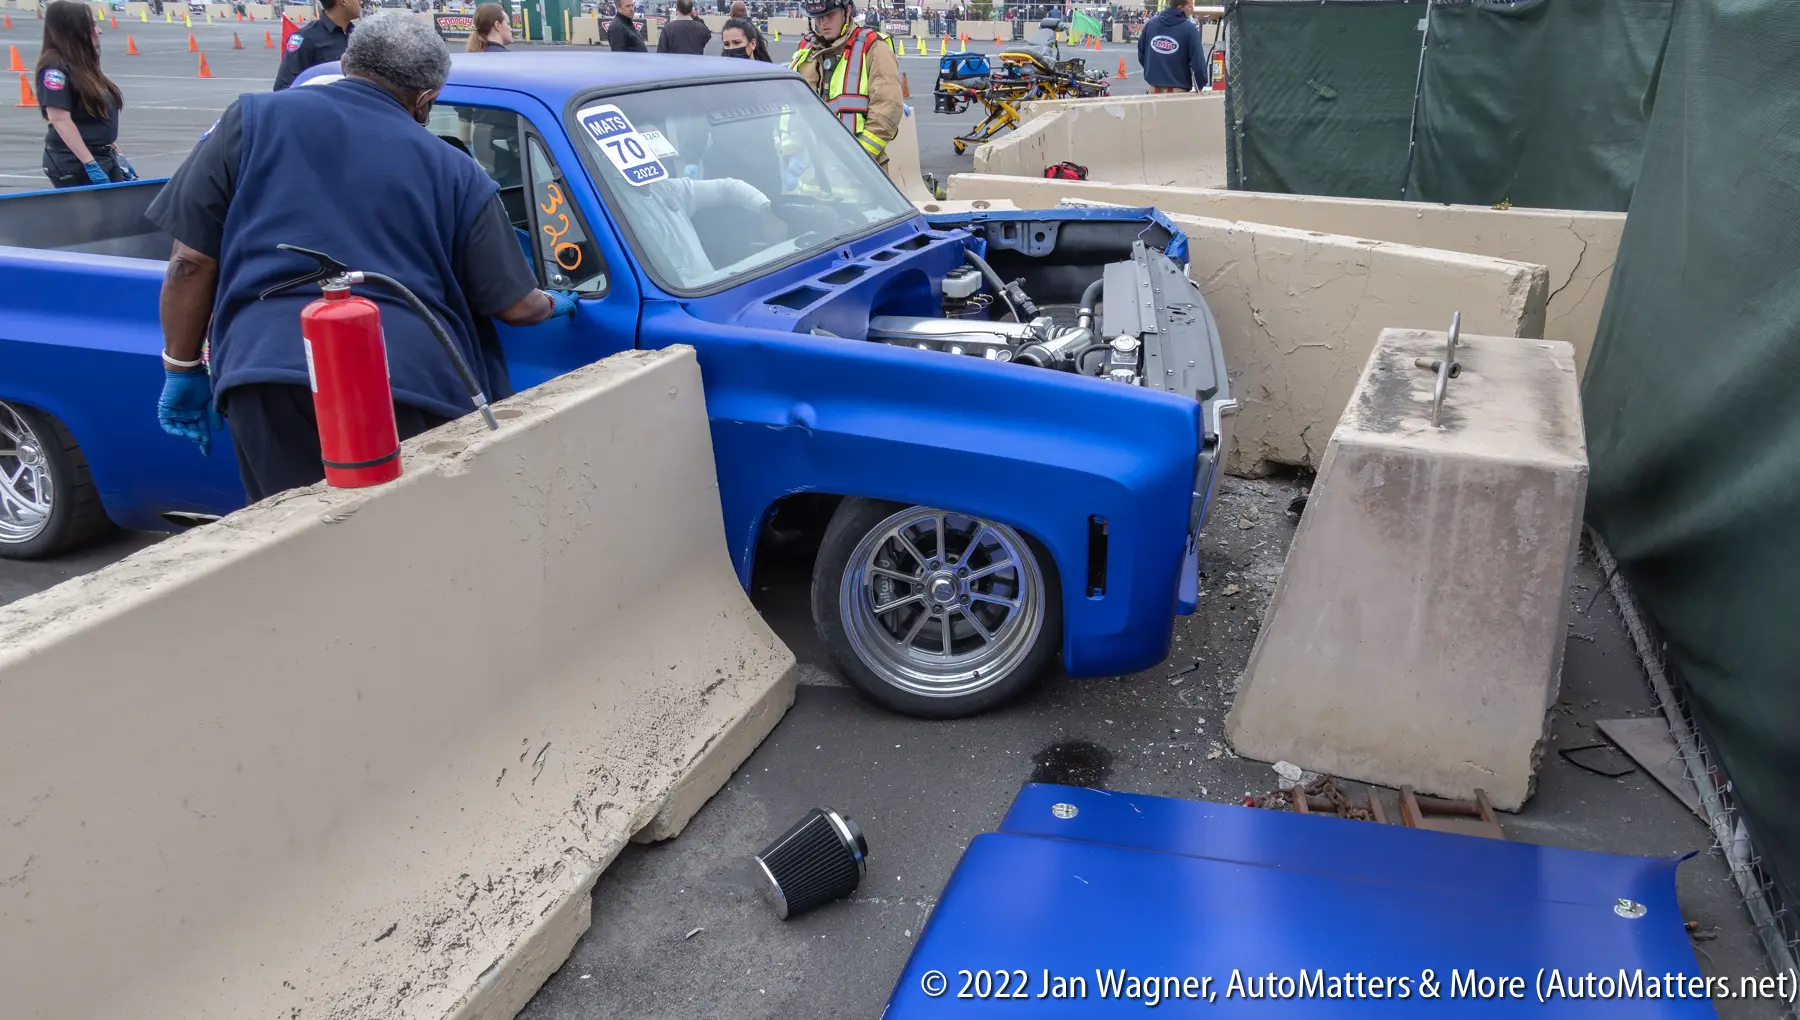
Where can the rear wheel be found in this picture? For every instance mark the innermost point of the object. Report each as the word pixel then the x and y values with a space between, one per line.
pixel 933 613
pixel 48 503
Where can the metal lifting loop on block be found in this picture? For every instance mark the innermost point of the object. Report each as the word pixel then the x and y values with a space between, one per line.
pixel 1447 369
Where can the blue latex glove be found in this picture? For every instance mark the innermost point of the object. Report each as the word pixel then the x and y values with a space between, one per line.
pixel 95 174
pixel 562 302
pixel 125 168
pixel 185 407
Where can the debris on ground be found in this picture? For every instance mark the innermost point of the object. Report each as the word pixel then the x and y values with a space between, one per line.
pixel 1324 797
pixel 1289 772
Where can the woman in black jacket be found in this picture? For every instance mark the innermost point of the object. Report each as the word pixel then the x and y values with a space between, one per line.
pixel 740 38
pixel 79 101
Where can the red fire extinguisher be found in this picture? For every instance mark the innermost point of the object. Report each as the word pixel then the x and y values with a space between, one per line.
pixel 346 363
pixel 1218 71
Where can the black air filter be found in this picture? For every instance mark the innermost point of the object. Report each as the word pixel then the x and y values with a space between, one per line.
pixel 818 860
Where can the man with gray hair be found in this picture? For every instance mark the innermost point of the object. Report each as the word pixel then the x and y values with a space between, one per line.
pixel 430 218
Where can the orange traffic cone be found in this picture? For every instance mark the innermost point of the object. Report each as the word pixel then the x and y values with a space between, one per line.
pixel 905 89
pixel 268 41
pixel 205 72
pixel 193 45
pixel 1121 68
pixel 240 15
pixel 131 49
pixel 9 21
pixel 236 43
pixel 113 19
pixel 17 64
pixel 25 96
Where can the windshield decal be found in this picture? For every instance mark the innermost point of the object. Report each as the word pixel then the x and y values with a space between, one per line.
pixel 657 144
pixel 622 145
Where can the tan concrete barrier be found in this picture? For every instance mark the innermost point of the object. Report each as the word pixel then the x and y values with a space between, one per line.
pixel 261 12
pixel 978 205
pixel 793 28
pixel 585 31
pixel 362 753
pixel 1416 636
pixel 1299 311
pixel 1157 140
pixel 1578 248
pixel 903 161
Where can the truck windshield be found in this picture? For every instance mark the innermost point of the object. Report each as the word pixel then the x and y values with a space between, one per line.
pixel 717 183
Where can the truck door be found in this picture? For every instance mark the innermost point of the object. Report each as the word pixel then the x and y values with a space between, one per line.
pixel 567 250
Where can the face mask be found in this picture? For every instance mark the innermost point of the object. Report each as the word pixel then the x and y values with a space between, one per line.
pixel 742 51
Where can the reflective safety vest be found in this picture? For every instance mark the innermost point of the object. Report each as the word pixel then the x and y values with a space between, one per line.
pixel 846 91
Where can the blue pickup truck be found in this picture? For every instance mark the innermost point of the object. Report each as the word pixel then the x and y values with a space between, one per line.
pixel 1014 421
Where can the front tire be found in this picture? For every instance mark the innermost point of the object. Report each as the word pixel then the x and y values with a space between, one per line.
pixel 48 503
pixel 931 613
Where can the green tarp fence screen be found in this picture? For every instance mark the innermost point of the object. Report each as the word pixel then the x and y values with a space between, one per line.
pixel 1537 103
pixel 1319 96
pixel 1692 397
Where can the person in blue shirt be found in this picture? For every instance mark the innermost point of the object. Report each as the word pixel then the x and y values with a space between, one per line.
pixel 1170 50
pixel 320 41
pixel 430 218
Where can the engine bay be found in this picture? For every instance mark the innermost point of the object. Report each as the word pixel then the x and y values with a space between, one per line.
pixel 1100 293
pixel 1134 320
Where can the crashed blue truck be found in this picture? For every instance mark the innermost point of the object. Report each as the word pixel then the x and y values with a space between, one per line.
pixel 1010 425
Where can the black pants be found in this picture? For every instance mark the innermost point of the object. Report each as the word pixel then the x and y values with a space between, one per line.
pixel 276 435
pixel 65 171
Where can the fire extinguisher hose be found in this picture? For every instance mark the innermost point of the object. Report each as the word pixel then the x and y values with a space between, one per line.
pixel 443 338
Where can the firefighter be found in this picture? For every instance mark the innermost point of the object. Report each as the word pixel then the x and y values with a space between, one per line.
pixel 854 71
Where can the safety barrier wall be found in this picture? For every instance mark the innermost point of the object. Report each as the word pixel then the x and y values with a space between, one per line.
pixel 903 161
pixel 1299 311
pixel 794 28
pixel 585 31
pixel 1578 248
pixel 1176 139
pixel 364 752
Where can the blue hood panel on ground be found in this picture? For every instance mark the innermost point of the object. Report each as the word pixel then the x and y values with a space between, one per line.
pixel 1260 902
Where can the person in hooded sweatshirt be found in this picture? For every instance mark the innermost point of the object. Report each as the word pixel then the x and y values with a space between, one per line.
pixel 1170 51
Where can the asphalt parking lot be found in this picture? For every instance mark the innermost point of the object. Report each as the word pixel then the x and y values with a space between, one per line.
pixel 167 106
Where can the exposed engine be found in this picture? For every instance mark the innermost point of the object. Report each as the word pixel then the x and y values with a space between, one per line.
pixel 988 318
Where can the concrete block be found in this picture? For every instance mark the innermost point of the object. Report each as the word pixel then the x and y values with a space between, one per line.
pixel 1578 248
pixel 1299 311
pixel 585 31
pixel 1170 139
pixel 1416 636
pixel 360 753
pixel 903 161
pixel 978 205
pixel 793 28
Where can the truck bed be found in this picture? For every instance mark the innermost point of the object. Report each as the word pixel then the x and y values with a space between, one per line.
pixel 90 221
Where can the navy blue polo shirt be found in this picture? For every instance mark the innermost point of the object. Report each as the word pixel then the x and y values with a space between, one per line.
pixel 317 42
pixel 430 218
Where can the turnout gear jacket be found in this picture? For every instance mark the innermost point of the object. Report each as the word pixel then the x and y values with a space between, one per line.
pixel 859 79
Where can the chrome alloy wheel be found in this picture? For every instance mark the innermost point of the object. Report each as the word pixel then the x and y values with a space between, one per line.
pixel 941 604
pixel 26 490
